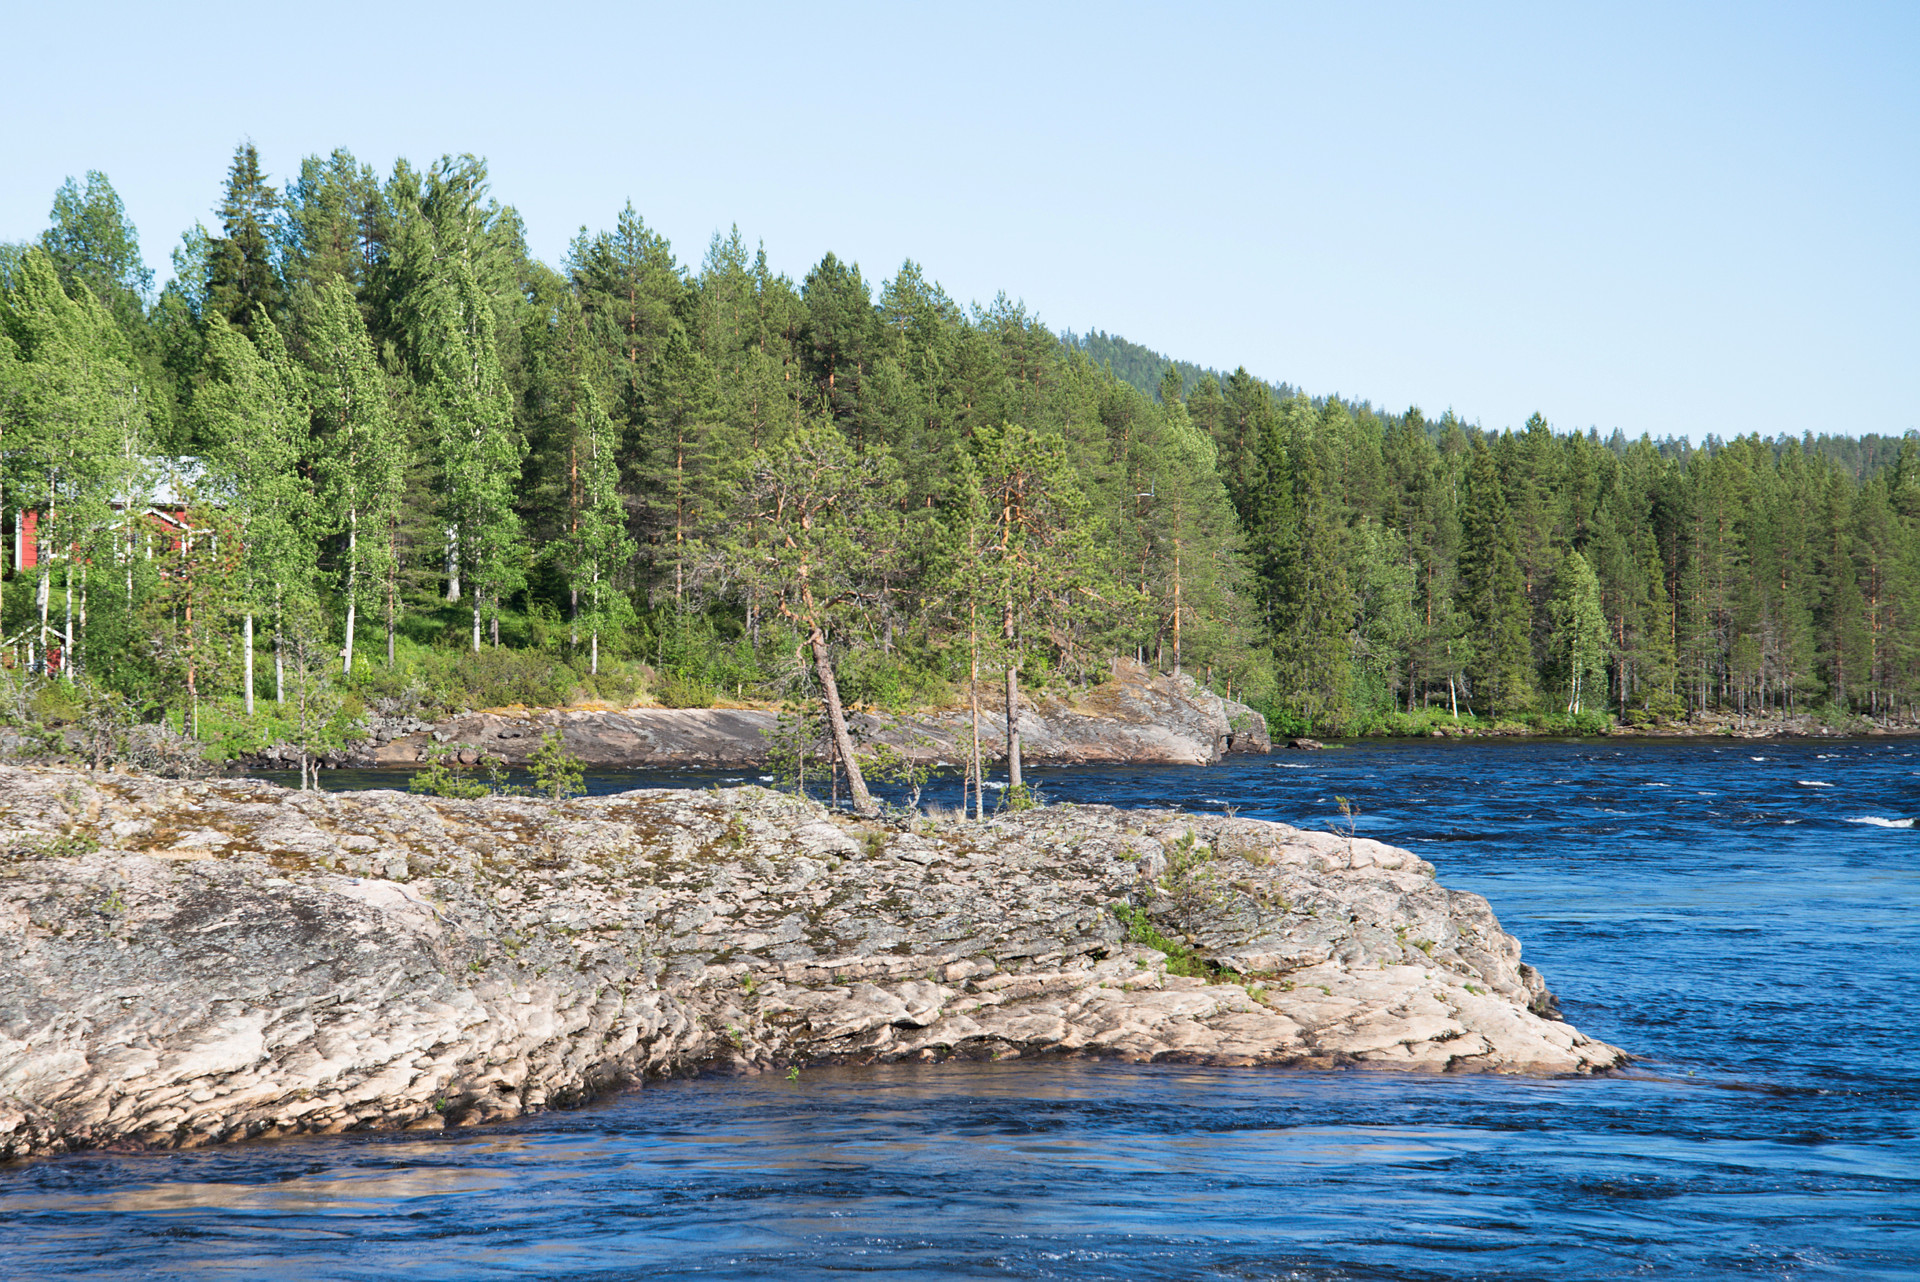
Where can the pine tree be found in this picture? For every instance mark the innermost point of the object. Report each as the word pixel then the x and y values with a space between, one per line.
pixel 681 421
pixel 1845 645
pixel 1037 558
pixel 841 331
pixel 812 529
pixel 336 221
pixel 630 290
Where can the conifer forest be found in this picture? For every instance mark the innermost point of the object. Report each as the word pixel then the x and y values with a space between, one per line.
pixel 364 450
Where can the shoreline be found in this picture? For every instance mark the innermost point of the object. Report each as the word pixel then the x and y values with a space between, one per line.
pixel 1136 716
pixel 184 963
pixel 1676 735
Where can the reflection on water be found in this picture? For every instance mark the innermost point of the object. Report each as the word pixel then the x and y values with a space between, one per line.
pixel 1755 945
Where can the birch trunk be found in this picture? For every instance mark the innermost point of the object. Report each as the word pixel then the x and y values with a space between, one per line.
pixel 353 589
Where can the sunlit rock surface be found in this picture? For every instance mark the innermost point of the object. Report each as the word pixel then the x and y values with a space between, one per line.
pixel 183 963
pixel 1137 716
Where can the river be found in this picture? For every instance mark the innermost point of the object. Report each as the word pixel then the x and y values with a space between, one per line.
pixel 1742 915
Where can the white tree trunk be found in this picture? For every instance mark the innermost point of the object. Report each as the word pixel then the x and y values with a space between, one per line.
pixel 66 651
pixel 353 590
pixel 246 680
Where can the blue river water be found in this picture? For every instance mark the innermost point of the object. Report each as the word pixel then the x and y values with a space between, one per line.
pixel 1743 916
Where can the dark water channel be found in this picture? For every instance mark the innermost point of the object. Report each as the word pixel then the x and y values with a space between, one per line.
pixel 1742 915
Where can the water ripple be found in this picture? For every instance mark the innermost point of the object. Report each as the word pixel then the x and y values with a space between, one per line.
pixel 1753 942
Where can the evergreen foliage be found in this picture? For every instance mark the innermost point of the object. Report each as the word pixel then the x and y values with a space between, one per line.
pixel 848 489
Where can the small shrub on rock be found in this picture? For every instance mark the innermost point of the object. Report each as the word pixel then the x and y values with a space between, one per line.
pixel 556 772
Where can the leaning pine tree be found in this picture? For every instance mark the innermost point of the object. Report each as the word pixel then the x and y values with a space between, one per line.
pixel 814 530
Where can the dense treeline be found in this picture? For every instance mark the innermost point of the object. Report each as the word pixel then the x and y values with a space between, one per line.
pixel 396 436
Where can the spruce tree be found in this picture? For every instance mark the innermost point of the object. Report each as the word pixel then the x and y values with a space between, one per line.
pixel 1315 608
pixel 243 280
pixel 1494 592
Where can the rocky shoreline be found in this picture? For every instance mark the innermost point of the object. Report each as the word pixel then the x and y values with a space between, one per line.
pixel 189 963
pixel 1708 725
pixel 1136 716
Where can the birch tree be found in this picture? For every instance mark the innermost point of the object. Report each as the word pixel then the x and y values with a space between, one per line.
pixel 362 451
pixel 478 444
pixel 72 427
pixel 254 412
pixel 1579 632
pixel 597 541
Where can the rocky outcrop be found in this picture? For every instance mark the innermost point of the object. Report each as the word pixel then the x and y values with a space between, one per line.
pixel 184 963
pixel 635 737
pixel 1138 716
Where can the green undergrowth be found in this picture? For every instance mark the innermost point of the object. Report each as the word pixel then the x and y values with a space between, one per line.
pixel 1393 723
pixel 1181 958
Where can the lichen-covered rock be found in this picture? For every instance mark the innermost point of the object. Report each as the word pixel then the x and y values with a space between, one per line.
pixel 182 963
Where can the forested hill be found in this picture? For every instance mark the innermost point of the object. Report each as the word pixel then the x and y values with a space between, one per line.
pixel 1144 368
pixel 429 464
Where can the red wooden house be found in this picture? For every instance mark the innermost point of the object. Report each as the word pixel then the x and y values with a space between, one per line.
pixel 174 489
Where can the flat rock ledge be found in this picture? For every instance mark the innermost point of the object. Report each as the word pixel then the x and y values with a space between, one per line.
pixel 187 963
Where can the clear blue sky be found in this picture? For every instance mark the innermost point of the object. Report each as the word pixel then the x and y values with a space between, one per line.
pixel 1665 218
